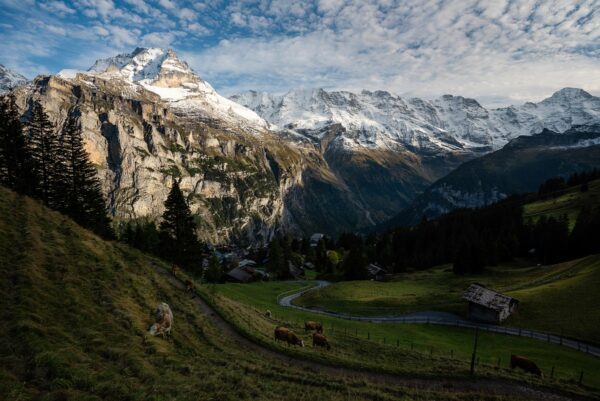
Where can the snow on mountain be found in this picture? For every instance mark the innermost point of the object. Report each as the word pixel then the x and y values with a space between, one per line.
pixel 10 79
pixel 162 72
pixel 384 120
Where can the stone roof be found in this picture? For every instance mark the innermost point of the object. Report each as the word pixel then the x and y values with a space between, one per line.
pixel 489 298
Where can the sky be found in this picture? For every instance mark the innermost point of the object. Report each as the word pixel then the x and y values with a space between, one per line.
pixel 497 51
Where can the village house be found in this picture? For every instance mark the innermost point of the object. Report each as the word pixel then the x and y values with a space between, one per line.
pixel 487 305
pixel 376 272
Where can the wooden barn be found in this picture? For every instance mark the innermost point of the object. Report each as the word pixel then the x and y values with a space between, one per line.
pixel 487 305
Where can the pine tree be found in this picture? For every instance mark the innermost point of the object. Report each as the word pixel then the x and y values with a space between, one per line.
pixel 15 158
pixel 214 272
pixel 81 193
pixel 177 231
pixel 44 145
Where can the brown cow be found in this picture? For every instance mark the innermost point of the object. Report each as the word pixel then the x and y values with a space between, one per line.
pixel 189 286
pixel 287 335
pixel 527 365
pixel 174 270
pixel 320 340
pixel 310 325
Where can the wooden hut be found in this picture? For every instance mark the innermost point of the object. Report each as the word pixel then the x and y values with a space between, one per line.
pixel 487 305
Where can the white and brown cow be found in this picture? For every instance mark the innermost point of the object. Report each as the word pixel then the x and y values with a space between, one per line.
pixel 164 320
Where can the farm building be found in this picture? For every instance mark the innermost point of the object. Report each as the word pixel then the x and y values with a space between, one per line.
pixel 376 272
pixel 240 275
pixel 487 305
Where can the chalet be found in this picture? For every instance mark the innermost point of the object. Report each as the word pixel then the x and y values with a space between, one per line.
pixel 240 275
pixel 247 262
pixel 315 238
pixel 487 305
pixel 376 272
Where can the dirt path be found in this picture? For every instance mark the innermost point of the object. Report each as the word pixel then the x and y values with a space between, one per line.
pixel 476 386
pixel 440 318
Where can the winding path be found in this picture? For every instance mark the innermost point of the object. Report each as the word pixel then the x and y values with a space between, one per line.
pixel 438 318
pixel 475 386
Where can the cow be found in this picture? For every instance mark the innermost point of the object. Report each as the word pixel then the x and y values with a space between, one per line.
pixel 189 286
pixel 310 325
pixel 268 314
pixel 163 320
pixel 174 270
pixel 320 340
pixel 287 335
pixel 527 365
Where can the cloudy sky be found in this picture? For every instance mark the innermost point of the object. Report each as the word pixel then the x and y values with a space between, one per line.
pixel 497 51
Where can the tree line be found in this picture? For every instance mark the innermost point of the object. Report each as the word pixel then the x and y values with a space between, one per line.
pixel 51 165
pixel 469 239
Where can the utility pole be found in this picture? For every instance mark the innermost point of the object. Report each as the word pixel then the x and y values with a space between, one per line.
pixel 473 357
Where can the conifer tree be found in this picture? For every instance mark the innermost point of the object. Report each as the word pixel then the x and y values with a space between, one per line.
pixel 81 194
pixel 44 145
pixel 15 158
pixel 177 231
pixel 214 272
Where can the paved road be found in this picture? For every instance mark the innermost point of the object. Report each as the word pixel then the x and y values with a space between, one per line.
pixel 439 318
pixel 475 387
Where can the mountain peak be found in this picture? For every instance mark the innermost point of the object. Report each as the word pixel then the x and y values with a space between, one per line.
pixel 570 93
pixel 10 79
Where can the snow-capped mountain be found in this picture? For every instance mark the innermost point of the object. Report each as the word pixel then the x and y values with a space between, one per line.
pixel 10 79
pixel 160 71
pixel 449 123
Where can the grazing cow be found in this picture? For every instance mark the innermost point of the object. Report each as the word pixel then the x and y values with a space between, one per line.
pixel 268 314
pixel 287 335
pixel 320 340
pixel 189 286
pixel 310 325
pixel 527 365
pixel 174 270
pixel 163 320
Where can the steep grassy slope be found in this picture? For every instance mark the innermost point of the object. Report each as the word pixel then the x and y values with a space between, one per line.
pixel 74 317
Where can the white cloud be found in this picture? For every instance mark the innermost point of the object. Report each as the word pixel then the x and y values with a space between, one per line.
pixel 57 7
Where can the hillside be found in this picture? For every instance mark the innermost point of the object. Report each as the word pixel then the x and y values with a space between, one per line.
pixel 520 166
pixel 75 314
pixel 568 204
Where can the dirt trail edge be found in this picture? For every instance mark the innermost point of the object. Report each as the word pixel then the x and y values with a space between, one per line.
pixel 475 386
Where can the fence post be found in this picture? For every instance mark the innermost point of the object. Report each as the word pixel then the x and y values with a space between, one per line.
pixel 581 377
pixel 451 354
pixel 474 351
pixel 552 373
pixel 499 359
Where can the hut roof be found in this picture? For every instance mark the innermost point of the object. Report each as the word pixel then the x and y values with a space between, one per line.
pixel 489 298
pixel 239 275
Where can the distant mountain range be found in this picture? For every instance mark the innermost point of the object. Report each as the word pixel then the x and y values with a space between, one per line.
pixel 306 161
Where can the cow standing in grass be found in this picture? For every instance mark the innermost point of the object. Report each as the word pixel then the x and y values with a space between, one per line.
pixel 163 320
pixel 310 325
pixel 527 365
pixel 287 335
pixel 321 341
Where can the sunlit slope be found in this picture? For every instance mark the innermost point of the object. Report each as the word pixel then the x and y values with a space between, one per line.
pixel 569 204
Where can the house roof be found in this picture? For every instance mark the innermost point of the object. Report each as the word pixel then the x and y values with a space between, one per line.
pixel 489 298
pixel 239 275
pixel 247 262
pixel 316 237
pixel 373 269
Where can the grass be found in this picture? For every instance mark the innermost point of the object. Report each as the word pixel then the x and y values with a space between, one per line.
pixel 558 298
pixel 420 350
pixel 75 312
pixel 568 204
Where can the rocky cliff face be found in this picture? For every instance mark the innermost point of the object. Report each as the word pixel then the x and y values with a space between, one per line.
pixel 140 145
